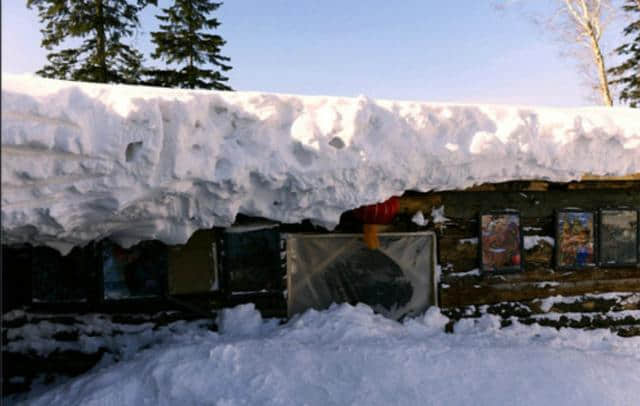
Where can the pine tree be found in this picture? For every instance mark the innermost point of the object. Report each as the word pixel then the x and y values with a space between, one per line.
pixel 102 25
pixel 627 74
pixel 185 40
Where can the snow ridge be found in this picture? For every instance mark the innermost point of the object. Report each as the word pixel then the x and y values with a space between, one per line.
pixel 350 356
pixel 86 161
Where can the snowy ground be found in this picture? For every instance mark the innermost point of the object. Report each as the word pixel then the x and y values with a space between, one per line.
pixel 348 355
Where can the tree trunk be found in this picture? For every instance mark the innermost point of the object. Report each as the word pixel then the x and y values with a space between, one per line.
pixel 192 29
pixel 101 44
pixel 602 71
pixel 192 79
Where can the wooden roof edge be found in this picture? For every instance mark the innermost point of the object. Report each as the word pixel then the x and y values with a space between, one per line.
pixel 631 177
pixel 587 181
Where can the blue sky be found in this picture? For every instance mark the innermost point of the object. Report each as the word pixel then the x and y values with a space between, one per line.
pixel 461 51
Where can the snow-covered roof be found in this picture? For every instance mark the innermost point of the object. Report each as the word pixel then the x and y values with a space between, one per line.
pixel 85 161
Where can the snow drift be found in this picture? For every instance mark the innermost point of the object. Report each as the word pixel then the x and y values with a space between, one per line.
pixel 350 356
pixel 86 161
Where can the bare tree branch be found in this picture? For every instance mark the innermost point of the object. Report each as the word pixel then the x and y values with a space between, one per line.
pixel 581 23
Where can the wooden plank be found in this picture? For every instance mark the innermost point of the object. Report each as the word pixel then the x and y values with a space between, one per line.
pixel 414 202
pixel 541 275
pixel 587 181
pixel 605 185
pixel 496 293
pixel 631 177
pixel 513 186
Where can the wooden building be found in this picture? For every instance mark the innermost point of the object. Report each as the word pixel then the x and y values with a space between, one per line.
pixel 218 268
pixel 462 281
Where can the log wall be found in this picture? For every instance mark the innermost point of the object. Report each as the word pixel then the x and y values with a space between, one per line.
pixel 462 283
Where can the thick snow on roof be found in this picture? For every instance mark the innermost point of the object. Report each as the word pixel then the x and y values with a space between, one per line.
pixel 85 161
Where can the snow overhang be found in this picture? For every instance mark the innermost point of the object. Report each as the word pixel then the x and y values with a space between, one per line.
pixel 86 161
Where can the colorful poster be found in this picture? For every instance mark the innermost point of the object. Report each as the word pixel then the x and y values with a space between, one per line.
pixel 501 243
pixel 575 245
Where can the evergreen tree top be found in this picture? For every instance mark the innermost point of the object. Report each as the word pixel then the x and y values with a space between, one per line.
pixel 102 25
pixel 185 39
pixel 627 74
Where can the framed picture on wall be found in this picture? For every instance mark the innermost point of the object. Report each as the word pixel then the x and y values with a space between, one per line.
pixel 618 237
pixel 500 242
pixel 575 239
pixel 396 280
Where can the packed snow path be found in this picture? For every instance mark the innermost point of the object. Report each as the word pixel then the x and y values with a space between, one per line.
pixel 350 356
pixel 86 161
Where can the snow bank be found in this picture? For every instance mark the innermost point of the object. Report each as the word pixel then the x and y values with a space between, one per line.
pixel 351 356
pixel 95 332
pixel 547 303
pixel 244 321
pixel 86 161
pixel 419 220
pixel 473 272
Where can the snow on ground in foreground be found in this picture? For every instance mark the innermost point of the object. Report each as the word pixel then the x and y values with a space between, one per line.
pixel 86 161
pixel 94 333
pixel 348 355
pixel 547 303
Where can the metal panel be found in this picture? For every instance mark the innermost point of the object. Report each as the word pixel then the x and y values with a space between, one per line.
pixel 193 266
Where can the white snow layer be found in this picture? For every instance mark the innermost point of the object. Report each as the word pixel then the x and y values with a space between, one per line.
pixel 85 161
pixel 419 220
pixel 351 356
pixel 531 241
